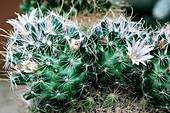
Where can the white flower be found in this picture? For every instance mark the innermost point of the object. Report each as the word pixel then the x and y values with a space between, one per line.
pixel 127 29
pixel 29 66
pixel 119 24
pixel 138 51
pixel 24 19
pixel 19 25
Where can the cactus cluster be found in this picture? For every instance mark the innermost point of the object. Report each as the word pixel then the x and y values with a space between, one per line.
pixel 68 6
pixel 60 63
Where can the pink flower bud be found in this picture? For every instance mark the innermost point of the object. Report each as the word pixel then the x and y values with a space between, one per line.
pixel 75 44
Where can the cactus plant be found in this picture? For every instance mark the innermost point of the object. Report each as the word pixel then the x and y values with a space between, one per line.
pixel 59 62
pixel 44 53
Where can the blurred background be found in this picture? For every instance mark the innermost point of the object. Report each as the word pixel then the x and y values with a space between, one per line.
pixel 152 11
